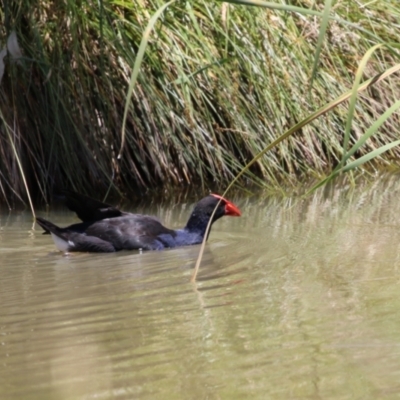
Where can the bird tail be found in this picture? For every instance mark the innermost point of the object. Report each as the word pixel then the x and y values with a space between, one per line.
pixel 67 240
pixel 48 227
pixel 60 239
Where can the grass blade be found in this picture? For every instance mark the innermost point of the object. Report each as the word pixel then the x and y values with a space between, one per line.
pixel 372 129
pixel 353 98
pixel 275 6
pixel 321 37
pixel 367 157
pixel 136 67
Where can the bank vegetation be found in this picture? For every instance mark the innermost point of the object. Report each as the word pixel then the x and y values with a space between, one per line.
pixel 218 83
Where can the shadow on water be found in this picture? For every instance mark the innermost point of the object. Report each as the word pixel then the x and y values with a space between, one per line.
pixel 295 299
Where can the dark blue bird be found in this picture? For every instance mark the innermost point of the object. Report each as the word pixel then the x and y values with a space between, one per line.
pixel 107 229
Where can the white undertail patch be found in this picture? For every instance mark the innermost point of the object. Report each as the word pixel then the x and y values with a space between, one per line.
pixel 62 244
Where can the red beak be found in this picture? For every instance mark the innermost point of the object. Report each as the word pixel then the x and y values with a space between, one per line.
pixel 230 208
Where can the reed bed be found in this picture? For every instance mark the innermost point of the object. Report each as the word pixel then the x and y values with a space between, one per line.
pixel 218 82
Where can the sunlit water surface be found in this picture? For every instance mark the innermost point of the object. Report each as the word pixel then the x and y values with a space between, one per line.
pixel 297 299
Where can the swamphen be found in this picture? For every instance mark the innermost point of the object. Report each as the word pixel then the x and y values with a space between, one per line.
pixel 107 229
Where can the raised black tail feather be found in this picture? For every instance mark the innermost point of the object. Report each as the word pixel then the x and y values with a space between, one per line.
pixel 47 226
pixel 88 209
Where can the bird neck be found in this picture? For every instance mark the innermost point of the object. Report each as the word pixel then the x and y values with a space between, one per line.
pixel 197 223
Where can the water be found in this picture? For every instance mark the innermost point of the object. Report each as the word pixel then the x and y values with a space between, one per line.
pixel 297 299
